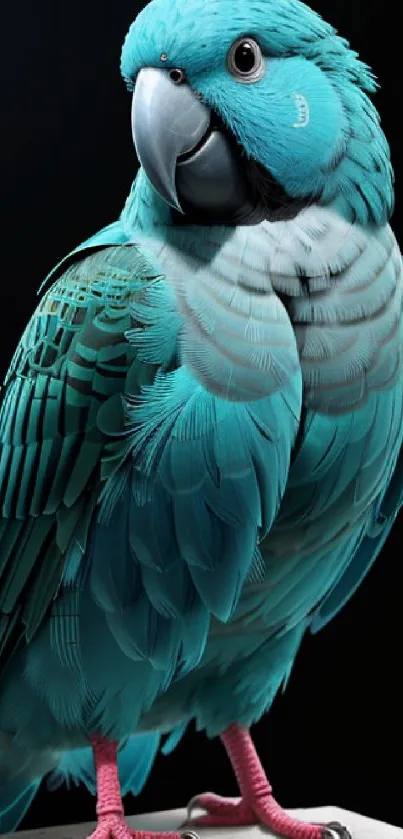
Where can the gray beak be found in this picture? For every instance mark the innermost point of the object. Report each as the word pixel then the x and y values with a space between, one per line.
pixel 167 121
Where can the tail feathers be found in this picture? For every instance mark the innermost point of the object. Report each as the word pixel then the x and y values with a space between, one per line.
pixel 174 738
pixel 135 761
pixel 15 799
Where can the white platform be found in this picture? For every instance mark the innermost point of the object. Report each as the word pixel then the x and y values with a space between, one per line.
pixel 360 827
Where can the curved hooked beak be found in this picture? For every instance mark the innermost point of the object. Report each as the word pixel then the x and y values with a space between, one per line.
pixel 168 121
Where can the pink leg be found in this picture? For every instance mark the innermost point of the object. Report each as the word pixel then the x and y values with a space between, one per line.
pixel 257 804
pixel 111 822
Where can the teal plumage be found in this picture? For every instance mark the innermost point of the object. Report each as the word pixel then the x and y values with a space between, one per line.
pixel 201 428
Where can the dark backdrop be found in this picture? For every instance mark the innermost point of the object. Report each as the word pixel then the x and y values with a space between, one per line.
pixel 68 162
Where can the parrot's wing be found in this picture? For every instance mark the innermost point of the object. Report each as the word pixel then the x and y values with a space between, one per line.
pixel 98 410
pixel 73 359
pixel 350 331
pixel 367 292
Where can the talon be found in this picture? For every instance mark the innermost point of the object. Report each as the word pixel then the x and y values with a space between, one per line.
pixel 206 801
pixel 335 830
pixel 192 804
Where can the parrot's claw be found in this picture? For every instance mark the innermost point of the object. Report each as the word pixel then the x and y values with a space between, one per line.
pixel 236 812
pixel 219 812
pixel 211 803
pixel 334 830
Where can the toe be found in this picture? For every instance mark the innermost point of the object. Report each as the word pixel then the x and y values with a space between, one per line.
pixel 219 812
pixel 211 803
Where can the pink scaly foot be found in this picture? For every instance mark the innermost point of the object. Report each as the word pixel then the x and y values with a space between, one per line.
pixel 257 804
pixel 111 821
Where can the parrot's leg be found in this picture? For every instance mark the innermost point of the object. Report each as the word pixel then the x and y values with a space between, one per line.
pixel 257 804
pixel 111 821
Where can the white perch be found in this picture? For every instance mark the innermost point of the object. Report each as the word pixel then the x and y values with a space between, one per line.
pixel 171 820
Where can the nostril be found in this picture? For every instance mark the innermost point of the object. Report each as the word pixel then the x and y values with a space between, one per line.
pixel 177 76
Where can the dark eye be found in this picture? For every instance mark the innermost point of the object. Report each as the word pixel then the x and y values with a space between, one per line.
pixel 245 60
pixel 177 76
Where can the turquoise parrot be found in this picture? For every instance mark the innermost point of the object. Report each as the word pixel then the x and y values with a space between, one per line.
pixel 201 427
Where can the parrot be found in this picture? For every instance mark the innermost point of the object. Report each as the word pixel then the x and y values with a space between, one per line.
pixel 201 426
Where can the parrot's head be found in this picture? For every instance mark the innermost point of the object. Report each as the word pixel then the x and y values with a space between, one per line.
pixel 252 109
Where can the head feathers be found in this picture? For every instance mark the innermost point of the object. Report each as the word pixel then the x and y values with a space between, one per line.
pixel 335 153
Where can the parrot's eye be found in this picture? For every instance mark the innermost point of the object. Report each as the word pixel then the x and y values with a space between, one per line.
pixel 177 76
pixel 245 60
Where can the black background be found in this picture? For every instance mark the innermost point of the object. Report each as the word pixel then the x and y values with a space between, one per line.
pixel 335 737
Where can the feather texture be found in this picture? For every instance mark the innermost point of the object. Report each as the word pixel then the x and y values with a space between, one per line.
pixel 201 428
pixel 72 359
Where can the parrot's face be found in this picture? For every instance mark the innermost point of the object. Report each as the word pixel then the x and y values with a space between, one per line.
pixel 251 109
